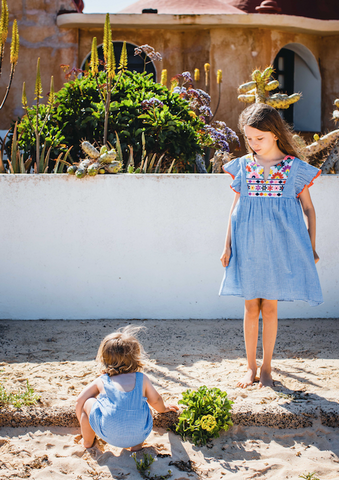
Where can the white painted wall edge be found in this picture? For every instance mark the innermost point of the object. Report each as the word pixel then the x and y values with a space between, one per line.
pixel 134 246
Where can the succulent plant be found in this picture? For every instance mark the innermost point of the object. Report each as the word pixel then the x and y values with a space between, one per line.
pixel 103 161
pixel 258 91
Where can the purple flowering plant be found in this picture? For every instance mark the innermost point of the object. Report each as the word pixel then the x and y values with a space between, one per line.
pixel 147 54
pixel 213 134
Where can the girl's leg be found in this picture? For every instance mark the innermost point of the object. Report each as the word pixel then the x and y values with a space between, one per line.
pixel 269 310
pixel 251 323
pixel 88 434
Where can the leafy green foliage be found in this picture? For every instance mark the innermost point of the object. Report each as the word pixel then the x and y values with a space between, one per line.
pixel 79 113
pixel 207 412
pixel 26 397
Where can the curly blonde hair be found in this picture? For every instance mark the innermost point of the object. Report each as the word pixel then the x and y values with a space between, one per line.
pixel 120 352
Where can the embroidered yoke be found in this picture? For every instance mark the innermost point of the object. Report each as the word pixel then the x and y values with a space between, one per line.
pixel 122 419
pixel 272 255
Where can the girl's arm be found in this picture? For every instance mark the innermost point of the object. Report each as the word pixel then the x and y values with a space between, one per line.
pixel 225 256
pixel 92 390
pixel 309 212
pixel 155 399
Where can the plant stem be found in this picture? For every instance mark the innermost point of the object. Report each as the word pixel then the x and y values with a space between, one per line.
pixel 37 136
pixel 108 101
pixel 9 86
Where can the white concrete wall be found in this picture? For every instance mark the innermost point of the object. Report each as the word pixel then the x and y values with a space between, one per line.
pixel 134 246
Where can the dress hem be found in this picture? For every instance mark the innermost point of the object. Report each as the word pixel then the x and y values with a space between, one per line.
pixel 312 303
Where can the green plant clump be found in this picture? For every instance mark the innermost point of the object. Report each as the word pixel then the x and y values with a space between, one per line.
pixel 309 476
pixel 27 397
pixel 143 466
pixel 207 412
pixel 138 104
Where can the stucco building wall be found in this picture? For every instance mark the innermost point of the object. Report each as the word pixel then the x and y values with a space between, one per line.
pixel 236 49
pixel 39 37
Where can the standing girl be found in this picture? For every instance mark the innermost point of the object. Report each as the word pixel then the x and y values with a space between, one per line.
pixel 269 253
pixel 115 405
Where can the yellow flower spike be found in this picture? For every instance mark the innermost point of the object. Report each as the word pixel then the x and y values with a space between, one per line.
pixel 174 83
pixel 163 80
pixel 207 71
pixel 123 58
pixel 316 137
pixel 3 23
pixel 14 55
pixel 196 74
pixel 51 92
pixel 107 37
pixel 219 76
pixel 110 65
pixel 38 85
pixel 24 96
pixel 94 57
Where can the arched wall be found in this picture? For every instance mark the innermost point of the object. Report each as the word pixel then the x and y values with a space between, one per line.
pixel 307 80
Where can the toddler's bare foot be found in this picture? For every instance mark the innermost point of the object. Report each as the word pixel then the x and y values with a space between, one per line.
pixel 86 444
pixel 137 447
pixel 248 379
pixel 265 379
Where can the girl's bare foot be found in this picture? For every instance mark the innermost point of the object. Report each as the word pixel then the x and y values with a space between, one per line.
pixel 265 379
pixel 248 379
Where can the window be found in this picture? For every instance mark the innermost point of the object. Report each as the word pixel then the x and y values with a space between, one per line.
pixel 135 63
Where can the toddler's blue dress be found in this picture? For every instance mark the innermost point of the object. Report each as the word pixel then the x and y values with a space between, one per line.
pixel 122 419
pixel 271 255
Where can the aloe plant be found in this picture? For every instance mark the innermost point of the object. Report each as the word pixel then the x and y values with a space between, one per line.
pixel 14 52
pixel 110 68
pixel 36 122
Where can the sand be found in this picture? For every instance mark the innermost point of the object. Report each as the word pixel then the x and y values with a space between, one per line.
pixel 281 432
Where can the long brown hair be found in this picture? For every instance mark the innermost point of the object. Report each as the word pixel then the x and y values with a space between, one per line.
pixel 121 352
pixel 266 118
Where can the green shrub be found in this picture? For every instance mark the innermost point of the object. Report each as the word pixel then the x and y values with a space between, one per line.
pixel 207 412
pixel 78 114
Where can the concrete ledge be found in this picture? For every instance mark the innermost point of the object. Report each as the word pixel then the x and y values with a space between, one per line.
pixel 279 418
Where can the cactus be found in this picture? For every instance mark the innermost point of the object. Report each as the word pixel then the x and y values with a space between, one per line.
pixel 98 162
pixel 14 51
pixel 322 143
pixel 91 151
pixel 258 91
pixel 335 115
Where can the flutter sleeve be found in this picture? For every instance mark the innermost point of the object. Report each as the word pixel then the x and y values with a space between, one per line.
pixel 305 176
pixel 233 168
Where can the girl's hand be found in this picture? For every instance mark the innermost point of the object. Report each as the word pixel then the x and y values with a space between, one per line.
pixel 225 257
pixel 171 408
pixel 316 256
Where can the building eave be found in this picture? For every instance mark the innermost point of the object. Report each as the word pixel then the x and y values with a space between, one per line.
pixel 166 21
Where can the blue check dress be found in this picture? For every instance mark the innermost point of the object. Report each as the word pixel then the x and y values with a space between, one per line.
pixel 122 419
pixel 272 256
